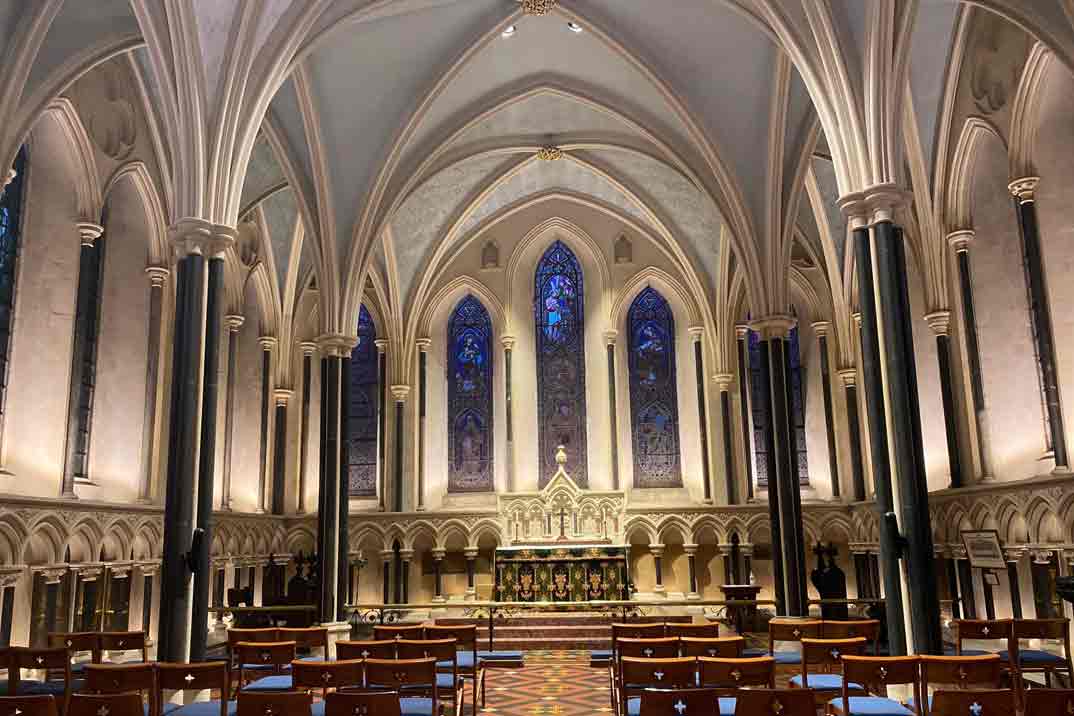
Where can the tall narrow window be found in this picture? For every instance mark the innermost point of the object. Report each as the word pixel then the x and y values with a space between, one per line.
pixel 469 364
pixel 10 216
pixel 558 306
pixel 654 405
pixel 762 416
pixel 362 411
pixel 798 406
pixel 759 412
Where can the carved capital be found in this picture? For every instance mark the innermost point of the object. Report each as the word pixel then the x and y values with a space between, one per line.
pixel 960 240
pixel 336 345
pixel 234 322
pixel 849 376
pixel 821 328
pixel 1024 189
pixel 657 550
pixel 158 275
pixel 196 236
pixel 424 344
pixel 939 322
pixel 876 204
pixel 1014 554
pixel 308 348
pixel 690 549
pixel 610 337
pixel 387 555
pixel 381 344
pixel 471 554
pixel 267 343
pixel 856 317
pixel 741 330
pixel 508 342
pixel 696 332
pixel 283 396
pixel 88 232
pixel 438 554
pixel 776 326
pixel 400 393
pixel 406 554
pixel 724 380
pixel 9 578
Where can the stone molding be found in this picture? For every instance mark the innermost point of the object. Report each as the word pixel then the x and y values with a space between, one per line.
pixel 197 236
pixel 1024 189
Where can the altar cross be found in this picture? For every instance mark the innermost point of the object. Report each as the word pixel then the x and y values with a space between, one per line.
pixel 563 523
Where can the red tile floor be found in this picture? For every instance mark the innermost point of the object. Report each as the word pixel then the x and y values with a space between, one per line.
pixel 553 683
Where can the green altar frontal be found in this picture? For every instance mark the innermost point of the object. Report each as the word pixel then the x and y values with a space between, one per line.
pixel 562 574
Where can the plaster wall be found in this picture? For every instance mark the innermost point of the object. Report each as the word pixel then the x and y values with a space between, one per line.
pixel 246 442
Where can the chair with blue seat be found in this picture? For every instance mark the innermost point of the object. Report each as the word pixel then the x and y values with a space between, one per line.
pixel 122 679
pixel 328 676
pixel 994 702
pixel 448 683
pixel 677 702
pixel 85 647
pixel 274 703
pixel 638 674
pixel 697 630
pixel 417 676
pixel 1039 661
pixel 1000 631
pixel 118 645
pixel 467 663
pixel 725 647
pixel 307 639
pixel 362 703
pixel 876 673
pixel 822 667
pixel 1049 701
pixel 869 629
pixel 237 636
pixel 200 677
pixel 55 663
pixel 784 702
pixel 350 650
pixel 960 672
pixel 640 630
pixel 398 631
pixel 728 676
pixel 28 706
pixel 791 630
pixel 125 704
pixel 275 659
pixel 643 648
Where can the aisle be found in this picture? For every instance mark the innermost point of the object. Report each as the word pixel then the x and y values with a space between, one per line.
pixel 553 683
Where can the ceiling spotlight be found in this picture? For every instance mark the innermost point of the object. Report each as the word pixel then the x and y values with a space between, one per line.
pixel 509 31
pixel 573 26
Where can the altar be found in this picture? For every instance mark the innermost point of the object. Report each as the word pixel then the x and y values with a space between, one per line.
pixel 562 574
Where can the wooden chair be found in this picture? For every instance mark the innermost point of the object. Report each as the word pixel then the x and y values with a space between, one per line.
pixel 627 631
pixel 124 641
pixel 1038 661
pixel 638 674
pixel 960 672
pixel 827 656
pixel 876 673
pixel 253 636
pixel 659 648
pixel 784 702
pixel 127 704
pixel 869 629
pixel 730 675
pixel 409 675
pixel 1049 701
pixel 707 630
pixel 274 703
pixel 204 676
pixel 681 702
pixel 998 702
pixel 448 683
pixel 306 638
pixel 28 706
pixel 122 679
pixel 398 631
pixel 79 643
pixel 351 650
pixel 468 663
pixel 56 663
pixel 354 703
pixel 275 659
pixel 787 630
pixel 725 647
pixel 326 675
pixel 997 630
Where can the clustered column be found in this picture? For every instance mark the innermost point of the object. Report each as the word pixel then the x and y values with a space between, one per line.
pixel 233 323
pixel 158 277
pixel 724 381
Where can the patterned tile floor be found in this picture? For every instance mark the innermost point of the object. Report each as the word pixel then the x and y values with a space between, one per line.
pixel 553 683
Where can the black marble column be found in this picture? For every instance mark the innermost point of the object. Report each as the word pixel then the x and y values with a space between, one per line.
pixel 951 571
pixel 939 322
pixel 765 393
pixel 158 277
pixel 849 376
pixel 343 489
pixel 965 588
pixel 471 559
pixel 267 343
pixel 1026 207
pixel 820 329
pixel 741 337
pixel 404 573
pixel 691 562
pixel 724 380
pixel 233 323
pixel 613 412
pixel 1014 585
pixel 331 479
pixel 308 349
pixel 399 394
pixel 509 413
pixel 438 582
pixel 696 333
pixel 382 418
pixel 386 557
pixel 423 348
pixel 279 450
pixel 657 551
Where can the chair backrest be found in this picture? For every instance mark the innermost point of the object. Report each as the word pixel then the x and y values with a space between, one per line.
pixel 440 649
pixel 676 672
pixel 78 642
pixel 274 703
pixel 992 702
pixel 205 675
pixel 961 671
pixel 123 678
pixel 28 706
pixel 349 650
pixel 354 703
pixel 725 647
pixel 326 675
pixel 1044 629
pixel 398 631
pixel 56 661
pixel 792 630
pixel 785 702
pixel 735 673
pixel 1001 630
pixel 635 631
pixel 272 653
pixel 305 637
pixel 234 636
pixel 1049 701
pixel 663 647
pixel 878 672
pixel 125 641
pixel 396 673
pixel 125 704
pixel 678 702
pixel 464 634
pixel 869 629
pixel 707 630
pixel 827 654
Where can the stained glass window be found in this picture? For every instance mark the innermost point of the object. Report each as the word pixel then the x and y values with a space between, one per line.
pixel 10 212
pixel 760 411
pixel 558 306
pixel 798 406
pixel 654 404
pixel 362 411
pixel 762 417
pixel 469 362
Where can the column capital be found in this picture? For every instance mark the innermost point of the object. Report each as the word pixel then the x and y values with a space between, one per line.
pixel 387 554
pixel 336 345
pixel 424 344
pixel 282 396
pixel 960 240
pixel 724 549
pixel 741 330
pixel 939 322
pixel 438 554
pixel 657 549
pixel 690 548
pixel 856 317
pixel 1013 554
pixel 197 236
pixel 234 321
pixel 406 554
pixel 508 342
pixel 158 275
pixel 696 332
pixel 1024 189
pixel 610 337
pixel 821 328
pixel 873 205
pixel 774 326
pixel 724 380
pixel 849 376
pixel 89 232
pixel 400 393
pixel 308 348
pixel 9 177
pixel 267 343
pixel 381 344
pixel 470 553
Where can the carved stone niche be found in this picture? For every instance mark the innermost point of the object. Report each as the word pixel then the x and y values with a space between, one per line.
pixel 624 251
pixel 490 256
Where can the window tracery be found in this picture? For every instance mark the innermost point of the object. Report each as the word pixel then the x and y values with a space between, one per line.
pixel 469 362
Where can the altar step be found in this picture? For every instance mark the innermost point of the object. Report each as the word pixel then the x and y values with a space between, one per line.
pixel 540 632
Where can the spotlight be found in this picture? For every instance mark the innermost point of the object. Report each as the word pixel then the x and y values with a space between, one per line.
pixel 573 26
pixel 509 31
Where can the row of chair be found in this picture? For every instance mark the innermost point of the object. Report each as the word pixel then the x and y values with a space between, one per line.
pixel 1009 635
pixel 99 643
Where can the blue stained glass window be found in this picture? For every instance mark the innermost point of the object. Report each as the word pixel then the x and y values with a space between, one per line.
pixel 558 306
pixel 10 215
pixel 654 403
pixel 761 414
pixel 469 362
pixel 362 411
pixel 798 406
pixel 759 410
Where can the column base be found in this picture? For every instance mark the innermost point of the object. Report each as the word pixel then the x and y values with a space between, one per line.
pixel 471 595
pixel 337 631
pixel 68 495
pixel 441 599
pixel 1062 470
pixel 660 590
pixel 693 596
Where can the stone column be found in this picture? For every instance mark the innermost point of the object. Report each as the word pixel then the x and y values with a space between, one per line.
pixel 399 395
pixel 1024 191
pixel 726 554
pixel 199 284
pixel 158 277
pixel 820 330
pixel 281 396
pixel 268 345
pixel 747 562
pixel 742 333
pixel 331 493
pixel 960 243
pixel 508 343
pixel 309 348
pixel 233 323
pixel 423 349
pixel 691 558
pixel 386 557
pixel 940 323
pixel 406 555
pixel 657 550
pixel 382 407
pixel 784 492
pixel 471 559
pixel 1013 557
pixel 724 380
pixel 696 334
pixel 610 337
pixel 438 582
pixel 83 356
pixel 849 377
